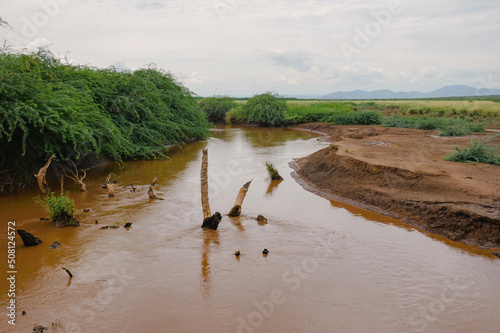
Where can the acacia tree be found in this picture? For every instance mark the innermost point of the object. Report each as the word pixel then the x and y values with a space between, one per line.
pixel 216 107
pixel 266 109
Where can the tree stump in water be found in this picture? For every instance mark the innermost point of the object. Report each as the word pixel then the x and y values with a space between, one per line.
pixel 205 205
pixel 236 210
pixel 212 222
pixel 64 221
pixel 28 239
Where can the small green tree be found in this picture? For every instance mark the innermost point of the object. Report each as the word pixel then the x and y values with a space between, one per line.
pixel 60 209
pixel 267 109
pixel 216 107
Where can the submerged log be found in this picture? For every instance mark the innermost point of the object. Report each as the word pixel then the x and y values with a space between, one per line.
pixel 55 245
pixel 236 210
pixel 69 273
pixel 212 222
pixel 28 239
pixel 40 177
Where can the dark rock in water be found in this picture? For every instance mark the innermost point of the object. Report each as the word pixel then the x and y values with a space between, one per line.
pixel 212 222
pixel 261 219
pixel 113 227
pixel 45 219
pixel 28 239
pixel 40 329
pixel 86 210
pixel 266 251
pixel 96 222
pixel 237 253
pixel 128 225
pixel 103 228
pixel 55 245
pixel 23 313
pixel 65 221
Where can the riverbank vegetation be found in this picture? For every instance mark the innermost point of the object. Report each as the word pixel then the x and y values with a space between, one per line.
pixel 480 151
pixel 49 106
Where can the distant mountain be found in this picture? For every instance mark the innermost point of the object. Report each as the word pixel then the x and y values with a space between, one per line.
pixel 448 91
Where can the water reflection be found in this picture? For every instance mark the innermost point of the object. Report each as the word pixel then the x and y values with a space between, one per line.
pixel 210 238
pixel 271 137
pixel 273 185
pixel 236 221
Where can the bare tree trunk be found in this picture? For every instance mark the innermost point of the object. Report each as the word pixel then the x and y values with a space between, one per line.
pixel 205 205
pixel 209 221
pixel 62 184
pixel 236 210
pixel 42 183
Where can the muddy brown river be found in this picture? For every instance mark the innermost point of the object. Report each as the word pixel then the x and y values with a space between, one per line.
pixel 330 268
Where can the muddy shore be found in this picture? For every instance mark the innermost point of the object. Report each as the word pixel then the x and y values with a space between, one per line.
pixel 402 173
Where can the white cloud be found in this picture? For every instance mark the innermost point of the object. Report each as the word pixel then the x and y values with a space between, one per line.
pixel 241 47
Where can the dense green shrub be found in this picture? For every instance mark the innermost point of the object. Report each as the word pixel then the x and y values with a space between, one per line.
pixel 445 126
pixel 272 171
pixel 266 109
pixel 57 206
pixel 336 112
pixel 49 107
pixel 479 151
pixel 216 107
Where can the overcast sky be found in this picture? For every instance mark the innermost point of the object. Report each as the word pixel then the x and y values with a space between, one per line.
pixel 244 47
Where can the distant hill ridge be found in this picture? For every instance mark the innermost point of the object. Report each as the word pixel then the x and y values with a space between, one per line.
pixel 448 91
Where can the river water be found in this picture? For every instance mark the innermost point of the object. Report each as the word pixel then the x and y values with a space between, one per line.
pixel 330 268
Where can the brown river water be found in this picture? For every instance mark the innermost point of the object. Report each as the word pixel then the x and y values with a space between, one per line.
pixel 331 267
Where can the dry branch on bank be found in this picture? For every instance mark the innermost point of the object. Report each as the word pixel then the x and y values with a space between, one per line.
pixel 40 177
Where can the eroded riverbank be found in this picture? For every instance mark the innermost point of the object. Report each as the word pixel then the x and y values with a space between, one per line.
pixel 401 172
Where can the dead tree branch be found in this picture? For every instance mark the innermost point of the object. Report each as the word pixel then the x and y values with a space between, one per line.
pixel 77 178
pixel 40 177
pixel 236 210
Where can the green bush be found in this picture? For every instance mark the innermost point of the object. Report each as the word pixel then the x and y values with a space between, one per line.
pixel 479 151
pixel 266 109
pixel 49 107
pixel 57 206
pixel 216 107
pixel 337 113
pixel 445 126
pixel 272 171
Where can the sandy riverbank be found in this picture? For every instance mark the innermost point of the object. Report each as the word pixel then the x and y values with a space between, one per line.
pixel 402 173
